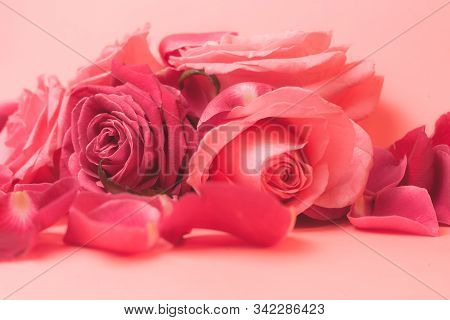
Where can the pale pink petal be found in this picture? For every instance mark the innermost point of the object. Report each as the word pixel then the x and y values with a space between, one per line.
pixel 353 182
pixel 120 223
pixel 288 44
pixel 404 209
pixel 441 188
pixel 29 209
pixel 387 171
pixel 51 200
pixel 301 71
pixel 17 231
pixel 356 89
pixel 132 50
pixel 171 45
pixel 231 209
pixel 239 95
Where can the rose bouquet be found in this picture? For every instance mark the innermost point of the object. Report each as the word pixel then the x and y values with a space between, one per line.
pixel 240 134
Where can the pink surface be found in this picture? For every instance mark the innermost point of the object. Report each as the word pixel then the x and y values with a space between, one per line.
pixel 315 262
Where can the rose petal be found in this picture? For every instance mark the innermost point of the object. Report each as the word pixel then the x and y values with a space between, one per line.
pixel 239 95
pixel 442 130
pixel 352 183
pixel 387 171
pixel 51 200
pixel 405 209
pixel 17 231
pixel 416 146
pixel 29 209
pixel 326 214
pixel 231 209
pixel 5 178
pixel 6 109
pixel 132 50
pixel 171 45
pixel 441 188
pixel 356 89
pixel 122 223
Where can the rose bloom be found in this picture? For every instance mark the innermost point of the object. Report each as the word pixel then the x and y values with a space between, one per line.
pixel 292 58
pixel 134 132
pixel 31 136
pixel 288 142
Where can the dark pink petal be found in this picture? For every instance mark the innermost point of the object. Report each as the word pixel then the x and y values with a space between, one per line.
pixel 441 188
pixel 416 146
pixel 6 109
pixel 171 45
pixel 405 209
pixel 121 223
pixel 326 214
pixel 442 130
pixel 249 214
pixel 197 89
pixel 387 171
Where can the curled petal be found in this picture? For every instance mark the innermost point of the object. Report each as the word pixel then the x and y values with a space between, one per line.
pixel 387 171
pixel 442 130
pixel 239 95
pixel 356 89
pixel 171 45
pixel 231 209
pixel 441 188
pixel 121 223
pixel 132 50
pixel 417 148
pixel 404 209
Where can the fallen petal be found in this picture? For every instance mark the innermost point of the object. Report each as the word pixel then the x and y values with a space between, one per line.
pixel 387 171
pixel 120 223
pixel 441 188
pixel 442 130
pixel 405 209
pixel 17 231
pixel 249 214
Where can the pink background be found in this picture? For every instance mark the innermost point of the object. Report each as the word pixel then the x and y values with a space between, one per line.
pixel 316 262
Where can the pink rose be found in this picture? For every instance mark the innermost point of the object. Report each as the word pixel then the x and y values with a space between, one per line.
pixel 409 186
pixel 32 134
pixel 288 142
pixel 131 135
pixel 292 58
pixel 6 109
pixel 132 50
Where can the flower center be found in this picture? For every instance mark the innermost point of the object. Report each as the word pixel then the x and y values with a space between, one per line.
pixel 286 174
